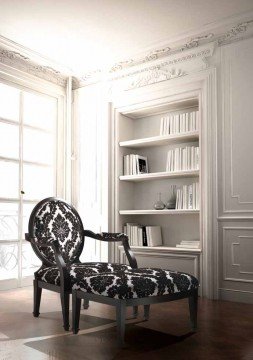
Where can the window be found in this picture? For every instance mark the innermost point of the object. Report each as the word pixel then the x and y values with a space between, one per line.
pixel 28 159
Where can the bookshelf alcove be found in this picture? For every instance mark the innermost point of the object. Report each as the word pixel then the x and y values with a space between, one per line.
pixel 137 131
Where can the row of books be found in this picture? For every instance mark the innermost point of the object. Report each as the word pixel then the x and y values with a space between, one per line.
pixel 189 244
pixel 134 164
pixel 140 235
pixel 179 123
pixel 187 197
pixel 183 159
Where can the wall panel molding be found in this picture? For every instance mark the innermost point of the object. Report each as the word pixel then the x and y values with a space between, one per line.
pixel 237 246
pixel 237 127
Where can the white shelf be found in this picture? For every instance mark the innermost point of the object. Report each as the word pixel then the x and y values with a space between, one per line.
pixel 164 248
pixel 158 212
pixel 161 140
pixel 160 175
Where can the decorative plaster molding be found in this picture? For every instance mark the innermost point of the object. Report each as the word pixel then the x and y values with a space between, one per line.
pixel 24 63
pixel 234 32
pixel 128 66
pixel 155 76
pixel 195 42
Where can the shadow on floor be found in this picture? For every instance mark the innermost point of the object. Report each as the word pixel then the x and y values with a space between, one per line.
pixel 24 325
pixel 102 345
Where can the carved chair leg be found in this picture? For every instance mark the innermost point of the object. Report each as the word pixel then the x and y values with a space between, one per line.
pixel 146 312
pixel 193 307
pixel 76 308
pixel 135 312
pixel 120 318
pixel 36 298
pixel 85 304
pixel 65 309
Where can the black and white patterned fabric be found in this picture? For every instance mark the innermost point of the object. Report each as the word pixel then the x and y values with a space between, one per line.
pixel 51 274
pixel 56 220
pixel 137 283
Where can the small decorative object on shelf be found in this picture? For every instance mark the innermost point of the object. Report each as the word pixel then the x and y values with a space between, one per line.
pixel 159 205
pixel 142 165
pixel 171 204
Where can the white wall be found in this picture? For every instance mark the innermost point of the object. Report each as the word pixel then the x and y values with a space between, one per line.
pixel 234 183
pixel 235 131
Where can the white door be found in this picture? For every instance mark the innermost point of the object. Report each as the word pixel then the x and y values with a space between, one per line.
pixel 28 143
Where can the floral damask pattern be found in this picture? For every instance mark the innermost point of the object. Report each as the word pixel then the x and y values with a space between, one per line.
pixel 56 220
pixel 137 283
pixel 77 272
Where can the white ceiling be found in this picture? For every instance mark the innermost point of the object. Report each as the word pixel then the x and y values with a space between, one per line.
pixel 88 34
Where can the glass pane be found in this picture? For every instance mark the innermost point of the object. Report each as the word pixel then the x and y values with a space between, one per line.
pixel 9 102
pixel 8 262
pixel 40 111
pixel 30 262
pixel 38 146
pixel 27 209
pixel 9 140
pixel 9 179
pixel 8 221
pixel 38 182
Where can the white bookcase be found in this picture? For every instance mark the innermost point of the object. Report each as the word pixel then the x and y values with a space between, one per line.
pixel 138 132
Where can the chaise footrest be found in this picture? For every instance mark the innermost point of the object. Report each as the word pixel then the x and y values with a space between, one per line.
pixel 133 287
pixel 137 283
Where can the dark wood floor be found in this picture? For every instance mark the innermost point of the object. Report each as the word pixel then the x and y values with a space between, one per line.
pixel 225 331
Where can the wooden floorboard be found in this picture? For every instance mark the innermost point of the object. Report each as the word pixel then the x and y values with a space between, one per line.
pixel 225 331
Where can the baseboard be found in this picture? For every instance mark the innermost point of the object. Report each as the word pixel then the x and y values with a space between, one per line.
pixel 236 295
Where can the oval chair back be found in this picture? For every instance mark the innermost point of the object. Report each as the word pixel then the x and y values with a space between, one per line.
pixel 55 218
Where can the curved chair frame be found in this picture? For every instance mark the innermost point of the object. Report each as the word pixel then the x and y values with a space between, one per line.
pixel 65 282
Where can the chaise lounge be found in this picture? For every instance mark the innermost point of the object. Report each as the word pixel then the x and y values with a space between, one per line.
pixel 133 287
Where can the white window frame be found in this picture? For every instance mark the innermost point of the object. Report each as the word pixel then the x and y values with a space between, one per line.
pixel 32 84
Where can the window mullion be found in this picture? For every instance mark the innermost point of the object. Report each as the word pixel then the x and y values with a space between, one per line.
pixel 20 217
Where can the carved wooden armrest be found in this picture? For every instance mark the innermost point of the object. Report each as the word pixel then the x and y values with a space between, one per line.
pixel 114 237
pixel 104 236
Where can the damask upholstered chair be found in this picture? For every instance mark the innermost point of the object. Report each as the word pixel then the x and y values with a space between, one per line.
pixel 56 234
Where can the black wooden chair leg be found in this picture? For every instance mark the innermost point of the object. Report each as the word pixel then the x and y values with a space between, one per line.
pixel 36 298
pixel 76 308
pixel 65 309
pixel 193 307
pixel 120 318
pixel 135 312
pixel 146 312
pixel 85 304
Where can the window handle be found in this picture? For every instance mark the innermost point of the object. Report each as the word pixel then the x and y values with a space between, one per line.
pixel 22 192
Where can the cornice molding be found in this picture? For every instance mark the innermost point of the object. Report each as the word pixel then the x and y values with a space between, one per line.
pixel 21 58
pixel 18 61
pixel 30 62
pixel 128 67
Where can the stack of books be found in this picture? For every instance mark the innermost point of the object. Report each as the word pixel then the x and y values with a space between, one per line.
pixel 140 235
pixel 179 123
pixel 135 164
pixel 186 158
pixel 189 244
pixel 187 197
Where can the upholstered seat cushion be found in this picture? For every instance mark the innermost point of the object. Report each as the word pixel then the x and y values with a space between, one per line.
pixel 51 274
pixel 137 283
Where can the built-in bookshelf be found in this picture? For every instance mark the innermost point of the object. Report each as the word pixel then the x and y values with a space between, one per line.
pixel 167 138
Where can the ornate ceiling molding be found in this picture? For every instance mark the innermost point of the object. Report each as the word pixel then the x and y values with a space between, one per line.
pixel 24 63
pixel 128 67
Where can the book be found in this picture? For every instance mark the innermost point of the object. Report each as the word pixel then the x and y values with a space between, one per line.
pixel 154 235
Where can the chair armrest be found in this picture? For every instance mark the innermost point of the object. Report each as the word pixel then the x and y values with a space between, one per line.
pixel 110 237
pixel 114 237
